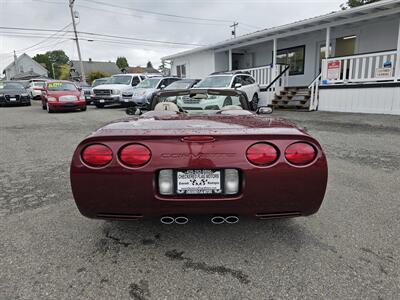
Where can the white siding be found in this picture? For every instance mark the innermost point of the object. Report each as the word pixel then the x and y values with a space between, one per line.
pixel 374 35
pixel 221 61
pixel 379 100
pixel 198 65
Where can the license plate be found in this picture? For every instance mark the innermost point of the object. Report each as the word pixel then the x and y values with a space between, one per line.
pixel 126 100
pixel 198 182
pixel 101 101
pixel 13 99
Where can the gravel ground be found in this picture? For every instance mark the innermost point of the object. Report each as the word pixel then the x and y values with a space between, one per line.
pixel 348 250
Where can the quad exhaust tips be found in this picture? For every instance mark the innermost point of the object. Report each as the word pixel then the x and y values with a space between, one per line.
pixel 168 220
pixel 182 220
pixel 217 220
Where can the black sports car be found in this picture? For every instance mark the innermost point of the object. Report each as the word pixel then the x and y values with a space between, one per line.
pixel 13 93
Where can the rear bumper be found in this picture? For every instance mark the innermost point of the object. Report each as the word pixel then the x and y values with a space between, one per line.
pixel 67 105
pixel 117 192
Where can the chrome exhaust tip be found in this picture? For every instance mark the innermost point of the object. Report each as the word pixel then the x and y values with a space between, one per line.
pixel 167 220
pixel 181 220
pixel 232 219
pixel 217 220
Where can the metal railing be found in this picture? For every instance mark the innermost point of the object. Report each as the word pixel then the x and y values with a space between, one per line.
pixel 371 67
pixel 314 88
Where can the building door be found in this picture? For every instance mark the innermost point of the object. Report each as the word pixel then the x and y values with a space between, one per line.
pixel 321 55
pixel 237 61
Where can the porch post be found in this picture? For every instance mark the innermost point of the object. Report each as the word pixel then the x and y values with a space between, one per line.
pixel 230 59
pixel 397 70
pixel 274 66
pixel 327 42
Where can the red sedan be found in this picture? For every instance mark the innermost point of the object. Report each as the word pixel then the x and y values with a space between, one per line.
pixel 199 152
pixel 61 96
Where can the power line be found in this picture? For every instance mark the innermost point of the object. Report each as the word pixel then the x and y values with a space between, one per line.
pixel 132 15
pixel 158 13
pixel 43 41
pixel 141 17
pixel 139 39
pixel 103 35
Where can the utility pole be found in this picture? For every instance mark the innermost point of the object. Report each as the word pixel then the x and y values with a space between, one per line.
pixel 71 6
pixel 233 32
pixel 15 64
pixel 52 68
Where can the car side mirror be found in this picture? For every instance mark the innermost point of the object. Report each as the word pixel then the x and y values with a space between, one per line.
pixel 133 111
pixel 163 86
pixel 80 88
pixel 264 110
pixel 238 85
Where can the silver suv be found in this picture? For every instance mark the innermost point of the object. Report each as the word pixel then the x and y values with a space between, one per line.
pixel 115 89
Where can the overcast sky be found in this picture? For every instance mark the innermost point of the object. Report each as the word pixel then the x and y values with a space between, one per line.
pixel 113 20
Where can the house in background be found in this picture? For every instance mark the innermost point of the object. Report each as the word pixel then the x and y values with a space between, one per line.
pixel 149 69
pixel 358 72
pixel 92 66
pixel 24 67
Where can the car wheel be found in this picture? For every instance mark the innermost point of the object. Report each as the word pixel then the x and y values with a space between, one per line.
pixel 254 102
pixel 83 108
pixel 99 105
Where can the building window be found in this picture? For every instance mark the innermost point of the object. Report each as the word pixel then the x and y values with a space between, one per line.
pixel 294 57
pixel 181 71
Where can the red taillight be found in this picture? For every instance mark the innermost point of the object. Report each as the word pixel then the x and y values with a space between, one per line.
pixel 262 154
pixel 135 155
pixel 300 153
pixel 97 155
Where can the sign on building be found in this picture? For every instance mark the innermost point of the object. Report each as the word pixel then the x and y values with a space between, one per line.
pixel 383 72
pixel 334 70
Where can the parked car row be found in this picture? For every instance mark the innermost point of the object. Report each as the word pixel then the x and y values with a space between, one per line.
pixel 128 90
pixel 138 90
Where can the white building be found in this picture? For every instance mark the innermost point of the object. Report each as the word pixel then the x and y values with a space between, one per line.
pixel 24 67
pixel 364 53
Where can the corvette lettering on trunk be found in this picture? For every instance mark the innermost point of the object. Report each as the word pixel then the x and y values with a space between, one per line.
pixel 196 156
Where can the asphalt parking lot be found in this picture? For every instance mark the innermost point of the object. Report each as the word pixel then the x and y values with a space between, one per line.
pixel 348 250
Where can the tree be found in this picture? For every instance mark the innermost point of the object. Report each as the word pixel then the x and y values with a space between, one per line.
pixel 90 77
pixel 163 69
pixel 356 3
pixel 149 65
pixel 64 72
pixel 122 62
pixel 56 57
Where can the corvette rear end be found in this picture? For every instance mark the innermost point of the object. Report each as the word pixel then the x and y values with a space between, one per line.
pixel 174 167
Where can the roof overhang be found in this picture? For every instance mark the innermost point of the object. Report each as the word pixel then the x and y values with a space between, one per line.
pixel 365 12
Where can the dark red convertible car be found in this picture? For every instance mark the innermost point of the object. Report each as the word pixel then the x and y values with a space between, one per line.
pixel 199 152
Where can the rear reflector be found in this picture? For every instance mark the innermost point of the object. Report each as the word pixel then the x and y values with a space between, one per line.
pixel 262 154
pixel 300 154
pixel 135 155
pixel 97 155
